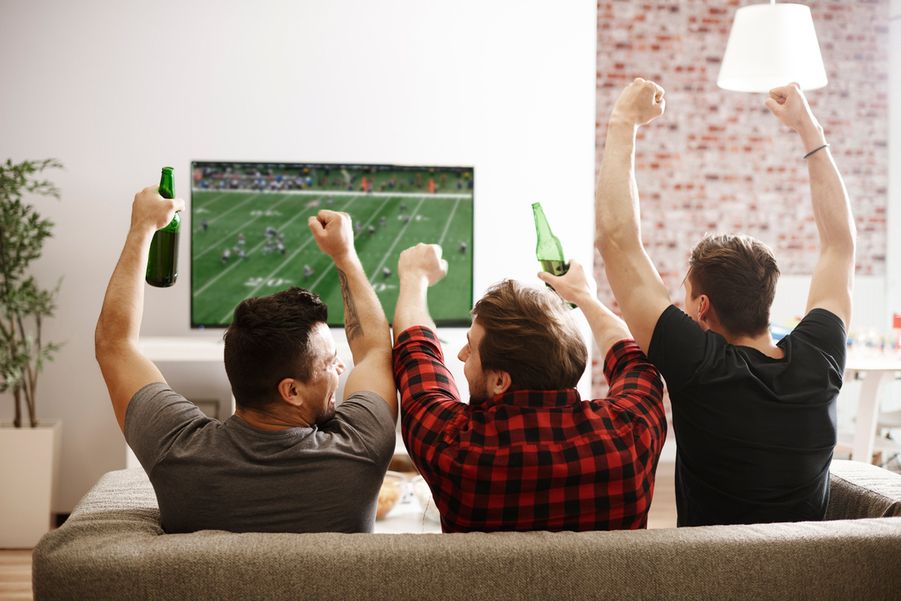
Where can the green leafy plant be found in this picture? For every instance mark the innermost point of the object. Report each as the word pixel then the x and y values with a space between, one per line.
pixel 23 304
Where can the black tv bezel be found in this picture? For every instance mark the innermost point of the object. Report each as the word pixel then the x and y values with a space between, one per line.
pixel 447 323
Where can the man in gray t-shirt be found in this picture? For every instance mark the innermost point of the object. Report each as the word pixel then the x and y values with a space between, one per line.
pixel 291 459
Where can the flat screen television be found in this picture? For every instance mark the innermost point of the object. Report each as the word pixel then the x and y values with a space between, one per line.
pixel 249 234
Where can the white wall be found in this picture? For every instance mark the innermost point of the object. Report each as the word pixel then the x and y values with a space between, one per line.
pixel 869 306
pixel 893 258
pixel 117 89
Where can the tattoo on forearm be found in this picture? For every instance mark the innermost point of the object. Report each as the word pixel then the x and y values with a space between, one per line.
pixel 352 325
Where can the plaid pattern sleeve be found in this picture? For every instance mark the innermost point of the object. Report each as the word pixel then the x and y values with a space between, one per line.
pixel 635 386
pixel 431 410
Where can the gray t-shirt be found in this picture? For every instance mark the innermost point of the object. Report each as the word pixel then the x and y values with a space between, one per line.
pixel 212 475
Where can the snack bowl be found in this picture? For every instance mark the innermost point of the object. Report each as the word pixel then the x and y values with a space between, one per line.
pixel 390 493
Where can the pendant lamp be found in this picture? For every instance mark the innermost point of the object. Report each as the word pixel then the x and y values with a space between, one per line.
pixel 771 45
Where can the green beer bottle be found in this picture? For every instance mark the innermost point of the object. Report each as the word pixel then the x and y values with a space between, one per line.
pixel 162 263
pixel 548 250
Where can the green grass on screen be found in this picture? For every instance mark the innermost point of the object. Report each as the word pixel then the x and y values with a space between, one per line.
pixel 399 221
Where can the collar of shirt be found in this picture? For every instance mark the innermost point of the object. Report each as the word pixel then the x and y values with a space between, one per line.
pixel 532 398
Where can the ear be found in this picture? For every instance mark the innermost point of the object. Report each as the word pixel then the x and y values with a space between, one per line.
pixel 289 391
pixel 498 382
pixel 704 308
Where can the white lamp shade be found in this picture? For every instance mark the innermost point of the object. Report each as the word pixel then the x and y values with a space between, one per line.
pixel 771 45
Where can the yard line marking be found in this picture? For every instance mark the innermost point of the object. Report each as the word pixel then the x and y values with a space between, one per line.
pixel 447 225
pixel 206 203
pixel 393 244
pixel 359 193
pixel 237 229
pixel 279 268
pixel 238 261
pixel 234 208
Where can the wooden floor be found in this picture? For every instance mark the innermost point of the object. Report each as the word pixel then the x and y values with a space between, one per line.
pixel 15 575
pixel 15 565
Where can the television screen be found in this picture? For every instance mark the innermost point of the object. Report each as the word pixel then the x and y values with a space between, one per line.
pixel 249 234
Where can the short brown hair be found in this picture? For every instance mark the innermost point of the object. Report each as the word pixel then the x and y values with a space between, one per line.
pixel 267 341
pixel 530 335
pixel 739 275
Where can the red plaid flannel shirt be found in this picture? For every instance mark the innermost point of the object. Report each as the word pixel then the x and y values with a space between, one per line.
pixel 533 459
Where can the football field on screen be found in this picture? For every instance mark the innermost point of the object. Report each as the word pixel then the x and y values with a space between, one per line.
pixel 387 224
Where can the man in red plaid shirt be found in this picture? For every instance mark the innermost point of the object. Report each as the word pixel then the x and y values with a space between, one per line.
pixel 526 453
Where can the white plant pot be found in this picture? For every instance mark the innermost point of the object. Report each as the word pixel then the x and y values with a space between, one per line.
pixel 29 469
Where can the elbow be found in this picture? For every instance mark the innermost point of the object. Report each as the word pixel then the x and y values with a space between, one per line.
pixel 380 352
pixel 104 343
pixel 99 342
pixel 843 244
pixel 617 242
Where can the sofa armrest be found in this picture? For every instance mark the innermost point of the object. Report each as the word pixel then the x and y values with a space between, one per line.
pixel 861 490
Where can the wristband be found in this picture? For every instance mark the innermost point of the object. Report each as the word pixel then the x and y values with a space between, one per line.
pixel 815 150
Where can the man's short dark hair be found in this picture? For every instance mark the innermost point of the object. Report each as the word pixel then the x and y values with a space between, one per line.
pixel 739 274
pixel 530 335
pixel 267 341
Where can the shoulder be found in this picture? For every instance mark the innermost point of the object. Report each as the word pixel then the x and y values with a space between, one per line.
pixel 157 417
pixel 823 330
pixel 821 318
pixel 364 407
pixel 682 350
pixel 364 421
pixel 153 399
pixel 417 338
pixel 676 333
pixel 364 415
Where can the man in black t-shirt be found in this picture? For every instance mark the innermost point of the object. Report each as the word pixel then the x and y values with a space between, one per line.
pixel 754 420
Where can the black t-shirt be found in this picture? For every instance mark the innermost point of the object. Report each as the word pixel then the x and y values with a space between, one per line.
pixel 754 434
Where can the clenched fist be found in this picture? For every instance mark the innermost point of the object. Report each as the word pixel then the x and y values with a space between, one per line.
pixel 422 260
pixel 150 211
pixel 640 103
pixel 333 234
pixel 790 106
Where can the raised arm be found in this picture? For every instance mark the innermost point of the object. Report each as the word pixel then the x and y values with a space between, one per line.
pixel 364 319
pixel 575 287
pixel 833 276
pixel 125 370
pixel 418 268
pixel 633 278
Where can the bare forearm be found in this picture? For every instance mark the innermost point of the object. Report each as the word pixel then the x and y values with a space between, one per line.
pixel 123 304
pixel 412 304
pixel 616 207
pixel 606 327
pixel 831 206
pixel 364 318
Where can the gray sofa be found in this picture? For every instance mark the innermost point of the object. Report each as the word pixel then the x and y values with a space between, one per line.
pixel 112 547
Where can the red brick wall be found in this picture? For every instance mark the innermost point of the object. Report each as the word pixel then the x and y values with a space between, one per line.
pixel 718 161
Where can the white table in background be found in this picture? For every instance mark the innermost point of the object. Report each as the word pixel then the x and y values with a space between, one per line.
pixel 877 371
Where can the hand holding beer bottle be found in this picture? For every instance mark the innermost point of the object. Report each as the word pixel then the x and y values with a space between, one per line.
pixel 162 262
pixel 576 287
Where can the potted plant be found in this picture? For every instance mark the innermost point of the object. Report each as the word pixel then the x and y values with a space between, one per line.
pixel 29 449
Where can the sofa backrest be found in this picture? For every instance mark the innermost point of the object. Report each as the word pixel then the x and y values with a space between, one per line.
pixel 113 548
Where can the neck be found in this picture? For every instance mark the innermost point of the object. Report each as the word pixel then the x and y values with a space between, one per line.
pixel 270 419
pixel 761 342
